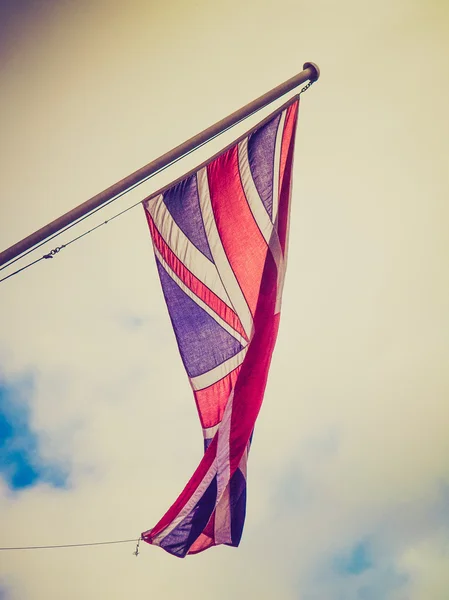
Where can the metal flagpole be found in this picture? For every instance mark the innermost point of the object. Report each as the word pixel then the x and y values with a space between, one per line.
pixel 311 73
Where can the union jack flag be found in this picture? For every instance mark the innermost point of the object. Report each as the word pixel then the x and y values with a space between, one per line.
pixel 220 239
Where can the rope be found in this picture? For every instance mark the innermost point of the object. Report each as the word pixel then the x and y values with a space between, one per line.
pixel 22 269
pixel 75 545
pixel 54 251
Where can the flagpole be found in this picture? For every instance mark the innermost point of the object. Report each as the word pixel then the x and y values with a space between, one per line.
pixel 311 72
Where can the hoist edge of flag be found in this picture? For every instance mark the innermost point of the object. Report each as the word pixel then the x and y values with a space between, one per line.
pixel 296 99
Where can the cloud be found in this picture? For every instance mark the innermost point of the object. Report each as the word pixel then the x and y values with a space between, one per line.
pixel 21 464
pixel 354 561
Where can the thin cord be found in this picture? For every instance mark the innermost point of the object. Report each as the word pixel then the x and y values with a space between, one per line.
pixel 11 262
pixel 52 253
pixel 71 545
pixel 56 250
pixel 22 269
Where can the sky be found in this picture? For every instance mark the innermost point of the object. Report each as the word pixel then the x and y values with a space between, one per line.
pixel 348 491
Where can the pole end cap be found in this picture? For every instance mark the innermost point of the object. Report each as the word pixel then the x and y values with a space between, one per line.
pixel 315 67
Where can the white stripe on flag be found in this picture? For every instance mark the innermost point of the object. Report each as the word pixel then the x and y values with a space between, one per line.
pixel 209 432
pixel 243 462
pixel 223 511
pixel 257 207
pixel 222 524
pixel 268 230
pixel 198 301
pixel 206 379
pixel 221 260
pixel 182 247
pixel 280 286
pixel 277 165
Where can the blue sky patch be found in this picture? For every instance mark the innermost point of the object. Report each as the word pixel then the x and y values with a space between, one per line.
pixel 360 572
pixel 3 592
pixel 21 464
pixel 132 321
pixel 355 561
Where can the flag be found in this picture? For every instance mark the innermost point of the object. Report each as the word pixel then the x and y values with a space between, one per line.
pixel 220 238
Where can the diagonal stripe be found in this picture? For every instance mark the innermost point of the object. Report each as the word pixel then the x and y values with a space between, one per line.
pixel 261 217
pixel 183 203
pixel 211 401
pixel 227 275
pixel 203 541
pixel 209 432
pixel 182 247
pixel 277 159
pixel 286 166
pixel 285 173
pixel 261 145
pixel 189 280
pixel 202 342
pixel 223 525
pixel 244 462
pixel 223 515
pixel 211 377
pixel 250 386
pixel 198 300
pixel 256 205
pixel 242 241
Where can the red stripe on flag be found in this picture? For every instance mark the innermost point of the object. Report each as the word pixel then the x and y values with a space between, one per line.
pixel 206 539
pixel 242 241
pixel 285 172
pixel 202 543
pixel 250 386
pixel 211 401
pixel 192 282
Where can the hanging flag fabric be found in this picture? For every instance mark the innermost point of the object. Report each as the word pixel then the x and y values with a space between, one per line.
pixel 220 239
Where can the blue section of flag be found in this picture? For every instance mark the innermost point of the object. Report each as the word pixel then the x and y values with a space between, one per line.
pixel 238 505
pixel 181 538
pixel 183 204
pixel 261 145
pixel 203 343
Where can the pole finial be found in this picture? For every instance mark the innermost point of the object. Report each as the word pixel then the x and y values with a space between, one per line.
pixel 315 67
